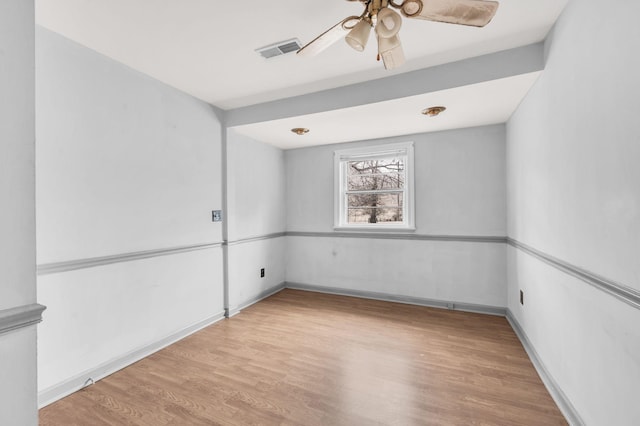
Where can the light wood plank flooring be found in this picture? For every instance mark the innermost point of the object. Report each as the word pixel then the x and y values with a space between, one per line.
pixel 303 358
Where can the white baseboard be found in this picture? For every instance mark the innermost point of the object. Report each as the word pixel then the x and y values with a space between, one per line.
pixel 554 389
pixel 410 300
pixel 73 384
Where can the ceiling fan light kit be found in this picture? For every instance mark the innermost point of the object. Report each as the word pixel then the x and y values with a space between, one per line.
pixel 389 46
pixel 379 15
pixel 359 35
pixel 388 23
pixel 411 8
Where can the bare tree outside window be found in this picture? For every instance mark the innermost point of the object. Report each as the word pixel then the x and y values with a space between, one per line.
pixel 375 190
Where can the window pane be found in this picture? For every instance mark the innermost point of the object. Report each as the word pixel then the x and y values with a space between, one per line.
pixel 374 208
pixel 377 181
pixel 375 215
pixel 381 165
pixel 383 173
pixel 385 199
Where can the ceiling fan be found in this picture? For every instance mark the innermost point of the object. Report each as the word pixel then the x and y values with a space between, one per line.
pixel 387 22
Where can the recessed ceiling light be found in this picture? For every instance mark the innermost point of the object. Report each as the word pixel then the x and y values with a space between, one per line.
pixel 433 111
pixel 300 130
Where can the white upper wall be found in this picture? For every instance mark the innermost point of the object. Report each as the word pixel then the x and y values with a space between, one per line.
pixel 124 164
pixel 255 188
pixel 574 145
pixel 459 183
pixel 256 208
pixel 573 193
pixel 130 165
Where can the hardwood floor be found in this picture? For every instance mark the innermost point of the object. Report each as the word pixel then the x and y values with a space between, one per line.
pixel 302 358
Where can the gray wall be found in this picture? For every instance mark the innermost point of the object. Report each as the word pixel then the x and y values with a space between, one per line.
pixel 460 192
pixel 126 166
pixel 17 215
pixel 256 219
pixel 573 193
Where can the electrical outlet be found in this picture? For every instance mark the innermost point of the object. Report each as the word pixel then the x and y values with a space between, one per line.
pixel 522 297
pixel 262 273
pixel 216 215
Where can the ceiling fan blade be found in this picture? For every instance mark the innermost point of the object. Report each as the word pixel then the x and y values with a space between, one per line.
pixel 325 39
pixel 476 13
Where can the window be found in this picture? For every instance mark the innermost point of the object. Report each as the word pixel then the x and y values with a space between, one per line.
pixel 374 187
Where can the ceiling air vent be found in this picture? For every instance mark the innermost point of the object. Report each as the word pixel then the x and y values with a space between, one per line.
pixel 279 48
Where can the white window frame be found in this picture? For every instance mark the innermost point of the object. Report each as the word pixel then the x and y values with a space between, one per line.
pixel 341 159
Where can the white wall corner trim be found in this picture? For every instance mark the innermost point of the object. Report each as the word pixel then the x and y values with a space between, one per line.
pixel 554 389
pixel 620 291
pixel 80 381
pixel 431 303
pixel 19 317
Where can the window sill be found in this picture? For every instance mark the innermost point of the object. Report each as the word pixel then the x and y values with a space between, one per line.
pixel 368 228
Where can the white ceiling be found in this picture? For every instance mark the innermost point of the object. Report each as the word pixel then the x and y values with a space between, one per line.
pixel 206 47
pixel 479 104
